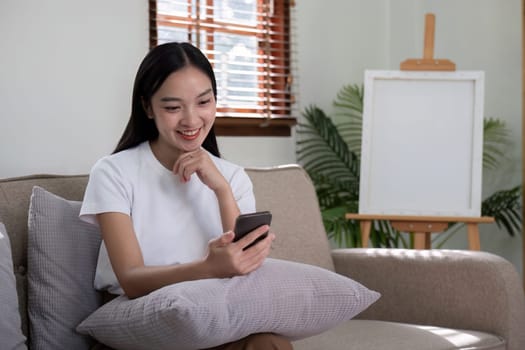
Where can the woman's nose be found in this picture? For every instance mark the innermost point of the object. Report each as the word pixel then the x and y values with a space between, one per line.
pixel 189 114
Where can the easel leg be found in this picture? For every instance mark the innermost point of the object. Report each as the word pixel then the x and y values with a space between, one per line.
pixel 365 232
pixel 473 236
pixel 421 240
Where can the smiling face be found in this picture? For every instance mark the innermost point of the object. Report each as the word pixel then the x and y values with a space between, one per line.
pixel 183 109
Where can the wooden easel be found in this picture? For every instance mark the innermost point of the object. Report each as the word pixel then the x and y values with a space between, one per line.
pixel 423 226
pixel 428 62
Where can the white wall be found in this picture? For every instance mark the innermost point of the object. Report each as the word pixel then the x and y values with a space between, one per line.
pixel 66 70
pixel 66 73
pixel 336 44
pixel 258 151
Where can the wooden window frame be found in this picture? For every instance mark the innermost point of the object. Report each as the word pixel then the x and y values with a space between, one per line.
pixel 251 126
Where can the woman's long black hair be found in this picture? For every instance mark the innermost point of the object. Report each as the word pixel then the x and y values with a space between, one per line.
pixel 158 64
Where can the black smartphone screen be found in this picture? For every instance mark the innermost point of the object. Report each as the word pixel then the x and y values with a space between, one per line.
pixel 246 223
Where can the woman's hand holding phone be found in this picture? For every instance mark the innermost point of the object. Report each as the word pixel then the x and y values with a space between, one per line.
pixel 228 256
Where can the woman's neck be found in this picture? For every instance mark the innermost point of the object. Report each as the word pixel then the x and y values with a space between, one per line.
pixel 167 156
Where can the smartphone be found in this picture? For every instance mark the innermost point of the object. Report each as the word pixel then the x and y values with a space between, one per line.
pixel 246 223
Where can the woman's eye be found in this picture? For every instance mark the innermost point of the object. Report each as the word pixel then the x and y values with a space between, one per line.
pixel 205 102
pixel 172 108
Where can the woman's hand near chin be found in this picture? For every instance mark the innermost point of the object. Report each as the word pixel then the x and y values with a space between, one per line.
pixel 199 162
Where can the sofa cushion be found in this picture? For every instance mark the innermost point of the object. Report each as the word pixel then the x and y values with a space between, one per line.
pixel 290 195
pixel 288 298
pixel 62 255
pixel 11 336
pixel 371 334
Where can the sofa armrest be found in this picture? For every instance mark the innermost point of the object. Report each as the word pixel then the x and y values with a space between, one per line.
pixel 447 288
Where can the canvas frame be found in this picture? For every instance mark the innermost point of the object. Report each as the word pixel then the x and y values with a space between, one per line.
pixel 422 143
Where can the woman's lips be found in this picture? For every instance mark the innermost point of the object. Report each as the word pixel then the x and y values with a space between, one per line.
pixel 190 134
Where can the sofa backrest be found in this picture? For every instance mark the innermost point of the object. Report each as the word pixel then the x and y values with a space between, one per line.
pixel 289 194
pixel 286 191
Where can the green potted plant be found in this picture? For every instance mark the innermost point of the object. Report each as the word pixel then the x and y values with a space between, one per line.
pixel 329 148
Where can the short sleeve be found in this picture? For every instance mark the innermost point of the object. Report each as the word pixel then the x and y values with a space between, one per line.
pixel 242 188
pixel 107 191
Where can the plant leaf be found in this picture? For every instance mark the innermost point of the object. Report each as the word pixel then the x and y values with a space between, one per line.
pixel 495 140
pixel 505 207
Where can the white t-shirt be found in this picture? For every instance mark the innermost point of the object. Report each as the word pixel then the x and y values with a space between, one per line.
pixel 173 221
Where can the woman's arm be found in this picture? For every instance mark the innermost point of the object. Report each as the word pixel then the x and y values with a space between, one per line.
pixel 224 258
pixel 199 163
pixel 228 207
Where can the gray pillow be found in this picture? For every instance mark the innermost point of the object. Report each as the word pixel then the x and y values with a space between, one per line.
pixel 288 298
pixel 11 337
pixel 62 255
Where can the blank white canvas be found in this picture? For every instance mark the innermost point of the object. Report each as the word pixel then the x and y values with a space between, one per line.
pixel 422 143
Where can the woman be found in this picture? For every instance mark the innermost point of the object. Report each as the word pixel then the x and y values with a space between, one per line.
pixel 165 201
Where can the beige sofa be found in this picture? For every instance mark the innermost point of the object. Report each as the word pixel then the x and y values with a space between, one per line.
pixel 438 299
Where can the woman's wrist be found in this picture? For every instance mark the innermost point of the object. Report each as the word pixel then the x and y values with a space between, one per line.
pixel 223 190
pixel 204 269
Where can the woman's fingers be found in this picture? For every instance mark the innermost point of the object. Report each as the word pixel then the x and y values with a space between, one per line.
pixel 253 257
pixel 186 165
pixel 252 236
pixel 230 259
pixel 199 162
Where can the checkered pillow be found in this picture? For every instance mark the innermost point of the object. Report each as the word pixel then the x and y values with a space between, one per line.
pixel 288 298
pixel 62 255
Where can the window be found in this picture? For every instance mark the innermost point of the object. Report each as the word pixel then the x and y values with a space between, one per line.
pixel 248 44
